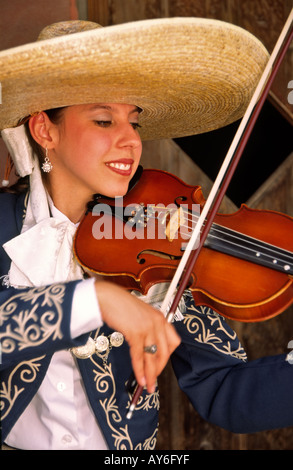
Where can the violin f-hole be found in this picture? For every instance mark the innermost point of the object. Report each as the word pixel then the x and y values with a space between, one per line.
pixel 179 200
pixel 158 254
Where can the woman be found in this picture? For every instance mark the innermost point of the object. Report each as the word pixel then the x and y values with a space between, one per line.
pixel 69 344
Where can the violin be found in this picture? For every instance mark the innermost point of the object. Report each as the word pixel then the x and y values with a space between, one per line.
pixel 244 270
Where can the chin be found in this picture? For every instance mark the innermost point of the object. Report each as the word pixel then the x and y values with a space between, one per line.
pixel 117 192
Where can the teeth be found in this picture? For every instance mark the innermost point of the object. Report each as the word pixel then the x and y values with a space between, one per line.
pixel 120 166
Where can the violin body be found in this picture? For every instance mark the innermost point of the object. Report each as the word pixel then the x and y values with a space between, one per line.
pixel 244 271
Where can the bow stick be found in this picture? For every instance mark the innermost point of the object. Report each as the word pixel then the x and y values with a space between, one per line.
pixel 229 165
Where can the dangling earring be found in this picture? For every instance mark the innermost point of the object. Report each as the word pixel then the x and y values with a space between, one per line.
pixel 47 165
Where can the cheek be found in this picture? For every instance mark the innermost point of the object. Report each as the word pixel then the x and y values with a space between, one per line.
pixel 96 146
pixel 87 149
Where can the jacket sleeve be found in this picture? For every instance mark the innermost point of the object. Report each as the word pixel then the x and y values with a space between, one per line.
pixel 227 390
pixel 35 321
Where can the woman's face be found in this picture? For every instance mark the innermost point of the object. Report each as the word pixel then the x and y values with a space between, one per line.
pixel 98 148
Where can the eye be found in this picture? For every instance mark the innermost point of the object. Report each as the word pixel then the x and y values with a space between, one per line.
pixel 135 125
pixel 103 123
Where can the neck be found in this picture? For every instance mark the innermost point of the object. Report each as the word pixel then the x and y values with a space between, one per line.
pixel 70 203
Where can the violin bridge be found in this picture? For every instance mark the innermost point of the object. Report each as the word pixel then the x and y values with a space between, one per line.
pixel 176 221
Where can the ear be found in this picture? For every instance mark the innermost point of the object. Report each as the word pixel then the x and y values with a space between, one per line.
pixel 43 131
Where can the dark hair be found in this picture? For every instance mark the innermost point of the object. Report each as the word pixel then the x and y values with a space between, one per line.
pixel 22 184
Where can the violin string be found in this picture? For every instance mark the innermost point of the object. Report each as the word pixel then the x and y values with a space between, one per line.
pixel 278 254
pixel 235 234
pixel 238 235
pixel 257 244
pixel 262 253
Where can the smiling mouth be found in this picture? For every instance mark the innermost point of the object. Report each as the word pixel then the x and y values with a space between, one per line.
pixel 120 166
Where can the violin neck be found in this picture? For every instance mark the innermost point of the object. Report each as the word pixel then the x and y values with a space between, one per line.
pixel 242 246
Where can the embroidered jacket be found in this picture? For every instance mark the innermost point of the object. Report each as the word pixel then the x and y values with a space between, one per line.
pixel 210 363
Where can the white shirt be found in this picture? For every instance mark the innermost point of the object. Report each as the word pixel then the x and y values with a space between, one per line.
pixel 59 417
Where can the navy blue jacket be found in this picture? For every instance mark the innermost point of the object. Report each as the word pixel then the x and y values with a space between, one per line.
pixel 210 363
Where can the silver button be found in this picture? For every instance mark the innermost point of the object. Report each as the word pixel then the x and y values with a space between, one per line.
pixel 86 351
pixel 102 343
pixel 116 339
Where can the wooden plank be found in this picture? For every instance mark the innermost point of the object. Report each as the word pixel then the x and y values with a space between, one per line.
pixel 99 12
pixel 167 155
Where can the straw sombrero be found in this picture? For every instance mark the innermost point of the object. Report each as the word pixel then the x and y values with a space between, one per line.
pixel 189 75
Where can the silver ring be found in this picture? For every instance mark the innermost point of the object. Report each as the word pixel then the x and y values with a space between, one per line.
pixel 151 349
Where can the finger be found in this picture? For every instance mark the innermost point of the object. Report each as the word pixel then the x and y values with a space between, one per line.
pixel 147 367
pixel 173 338
pixel 154 362
pixel 137 360
pixel 166 340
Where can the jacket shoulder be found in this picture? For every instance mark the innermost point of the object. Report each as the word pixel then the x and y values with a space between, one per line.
pixel 12 211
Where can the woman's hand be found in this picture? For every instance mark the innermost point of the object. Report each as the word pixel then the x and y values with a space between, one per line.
pixel 141 326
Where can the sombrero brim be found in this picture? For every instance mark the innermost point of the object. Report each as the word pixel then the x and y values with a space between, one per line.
pixel 189 75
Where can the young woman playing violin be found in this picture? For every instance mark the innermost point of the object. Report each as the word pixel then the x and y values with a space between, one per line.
pixel 70 343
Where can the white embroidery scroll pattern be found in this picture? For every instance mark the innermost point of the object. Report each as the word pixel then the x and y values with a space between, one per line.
pixel 227 343
pixel 26 328
pixel 25 372
pixel 105 381
pixel 149 401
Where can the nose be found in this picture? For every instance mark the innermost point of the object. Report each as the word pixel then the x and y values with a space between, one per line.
pixel 129 136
